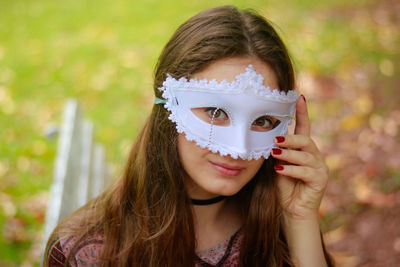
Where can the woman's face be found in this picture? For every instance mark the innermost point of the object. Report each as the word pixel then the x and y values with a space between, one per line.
pixel 209 173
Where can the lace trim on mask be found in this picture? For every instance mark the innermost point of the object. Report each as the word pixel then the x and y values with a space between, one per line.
pixel 250 81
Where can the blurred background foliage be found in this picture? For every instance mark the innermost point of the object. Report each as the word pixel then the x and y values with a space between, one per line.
pixel 346 54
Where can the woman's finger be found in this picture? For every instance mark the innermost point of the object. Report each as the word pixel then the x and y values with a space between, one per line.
pixel 302 120
pixel 302 142
pixel 297 157
pixel 316 178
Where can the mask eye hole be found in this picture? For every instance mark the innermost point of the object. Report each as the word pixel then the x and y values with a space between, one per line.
pixel 212 115
pixel 265 123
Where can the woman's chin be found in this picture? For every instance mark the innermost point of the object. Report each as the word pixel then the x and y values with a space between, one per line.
pixel 224 192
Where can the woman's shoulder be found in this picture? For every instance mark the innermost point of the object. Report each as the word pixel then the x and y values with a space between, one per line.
pixel 85 253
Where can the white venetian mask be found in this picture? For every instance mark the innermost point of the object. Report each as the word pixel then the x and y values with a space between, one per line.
pixel 239 119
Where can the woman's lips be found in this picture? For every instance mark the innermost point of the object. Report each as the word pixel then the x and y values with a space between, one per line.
pixel 226 169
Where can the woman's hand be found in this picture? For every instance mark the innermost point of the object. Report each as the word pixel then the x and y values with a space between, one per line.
pixel 302 179
pixel 302 173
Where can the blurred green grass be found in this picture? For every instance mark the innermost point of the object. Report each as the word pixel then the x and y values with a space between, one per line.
pixel 103 53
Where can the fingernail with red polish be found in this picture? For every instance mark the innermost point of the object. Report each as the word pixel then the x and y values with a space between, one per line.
pixel 280 139
pixel 276 151
pixel 303 98
pixel 278 168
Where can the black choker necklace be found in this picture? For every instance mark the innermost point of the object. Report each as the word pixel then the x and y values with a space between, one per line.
pixel 202 202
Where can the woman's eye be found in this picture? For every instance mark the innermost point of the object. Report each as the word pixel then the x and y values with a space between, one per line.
pixel 212 115
pixel 216 113
pixel 264 124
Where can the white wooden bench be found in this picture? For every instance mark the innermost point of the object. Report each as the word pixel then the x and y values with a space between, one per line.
pixel 80 172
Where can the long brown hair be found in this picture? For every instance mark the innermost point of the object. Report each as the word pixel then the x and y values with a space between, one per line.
pixel 145 218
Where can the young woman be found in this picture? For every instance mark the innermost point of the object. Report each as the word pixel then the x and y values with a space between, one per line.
pixel 213 178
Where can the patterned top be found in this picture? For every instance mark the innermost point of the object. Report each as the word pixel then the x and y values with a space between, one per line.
pixel 87 253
